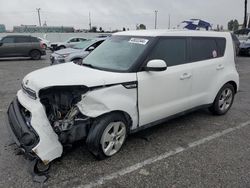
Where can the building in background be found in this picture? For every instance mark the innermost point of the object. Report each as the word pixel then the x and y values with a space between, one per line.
pixel 43 29
pixel 2 28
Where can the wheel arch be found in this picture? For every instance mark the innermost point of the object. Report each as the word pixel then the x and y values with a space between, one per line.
pixel 125 114
pixel 233 83
pixel 35 49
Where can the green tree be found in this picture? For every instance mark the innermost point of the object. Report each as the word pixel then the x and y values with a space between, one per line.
pixel 230 25
pixel 141 27
pixel 233 25
pixel 236 25
pixel 93 29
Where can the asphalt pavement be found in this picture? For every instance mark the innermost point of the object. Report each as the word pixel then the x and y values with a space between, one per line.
pixel 195 150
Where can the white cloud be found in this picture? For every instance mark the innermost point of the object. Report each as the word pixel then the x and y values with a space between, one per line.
pixel 119 13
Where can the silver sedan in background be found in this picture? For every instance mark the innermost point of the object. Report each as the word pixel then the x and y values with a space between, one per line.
pixel 77 53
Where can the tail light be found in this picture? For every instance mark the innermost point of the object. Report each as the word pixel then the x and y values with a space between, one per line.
pixel 42 45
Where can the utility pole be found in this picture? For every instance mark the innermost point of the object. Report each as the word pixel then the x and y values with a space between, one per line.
pixel 90 27
pixel 156 12
pixel 245 15
pixel 39 18
pixel 169 21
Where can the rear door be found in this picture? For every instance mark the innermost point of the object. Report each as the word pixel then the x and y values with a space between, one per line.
pixel 23 45
pixel 7 49
pixel 208 63
pixel 162 94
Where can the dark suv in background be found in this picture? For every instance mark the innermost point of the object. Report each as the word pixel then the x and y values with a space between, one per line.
pixel 21 46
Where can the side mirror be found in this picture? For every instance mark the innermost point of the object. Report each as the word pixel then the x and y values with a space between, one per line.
pixel 91 48
pixel 1 43
pixel 156 65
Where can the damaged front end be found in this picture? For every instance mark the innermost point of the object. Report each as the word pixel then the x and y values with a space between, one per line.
pixel 63 114
pixel 41 126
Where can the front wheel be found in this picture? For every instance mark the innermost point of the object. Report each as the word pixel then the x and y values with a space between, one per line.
pixel 35 55
pixel 107 135
pixel 223 100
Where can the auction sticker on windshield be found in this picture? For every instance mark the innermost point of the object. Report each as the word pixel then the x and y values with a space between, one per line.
pixel 138 41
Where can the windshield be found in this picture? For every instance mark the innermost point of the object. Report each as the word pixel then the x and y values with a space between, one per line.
pixel 117 53
pixel 83 44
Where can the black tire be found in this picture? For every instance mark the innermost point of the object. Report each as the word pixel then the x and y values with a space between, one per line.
pixel 218 108
pixel 35 54
pixel 61 47
pixel 248 52
pixel 98 129
pixel 40 168
pixel 77 61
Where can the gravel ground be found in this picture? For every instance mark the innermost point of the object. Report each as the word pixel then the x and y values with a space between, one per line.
pixel 223 161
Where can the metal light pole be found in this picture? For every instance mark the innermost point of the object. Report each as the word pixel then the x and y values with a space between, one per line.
pixel 169 21
pixel 90 27
pixel 39 18
pixel 156 12
pixel 245 15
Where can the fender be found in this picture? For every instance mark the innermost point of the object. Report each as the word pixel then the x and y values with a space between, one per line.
pixel 107 99
pixel 232 76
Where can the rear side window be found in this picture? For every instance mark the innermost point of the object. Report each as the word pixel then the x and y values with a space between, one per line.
pixel 22 39
pixel 171 50
pixel 221 45
pixel 34 39
pixel 203 49
pixel 8 40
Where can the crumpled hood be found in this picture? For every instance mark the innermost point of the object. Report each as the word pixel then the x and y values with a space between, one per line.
pixel 70 74
pixel 68 51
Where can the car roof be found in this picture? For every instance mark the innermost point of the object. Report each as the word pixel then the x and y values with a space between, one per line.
pixel 175 32
pixel 18 36
pixel 76 38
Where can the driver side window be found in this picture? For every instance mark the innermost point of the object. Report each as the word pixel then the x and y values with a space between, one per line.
pixel 171 50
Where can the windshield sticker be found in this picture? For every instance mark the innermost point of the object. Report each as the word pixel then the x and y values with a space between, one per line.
pixel 138 41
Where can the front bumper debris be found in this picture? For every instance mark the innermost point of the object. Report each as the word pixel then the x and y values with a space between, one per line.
pixel 23 134
pixel 31 130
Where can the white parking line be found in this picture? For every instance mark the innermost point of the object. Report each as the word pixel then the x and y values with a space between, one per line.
pixel 152 160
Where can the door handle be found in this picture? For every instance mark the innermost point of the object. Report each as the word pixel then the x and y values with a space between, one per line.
pixel 220 67
pixel 186 76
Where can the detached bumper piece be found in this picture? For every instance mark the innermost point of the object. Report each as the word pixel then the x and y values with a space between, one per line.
pixel 25 138
pixel 20 128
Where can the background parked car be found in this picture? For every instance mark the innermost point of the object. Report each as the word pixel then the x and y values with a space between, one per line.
pixel 68 43
pixel 77 53
pixel 242 34
pixel 236 44
pixel 245 47
pixel 21 46
pixel 45 42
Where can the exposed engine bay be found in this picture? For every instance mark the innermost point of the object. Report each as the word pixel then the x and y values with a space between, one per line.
pixel 64 116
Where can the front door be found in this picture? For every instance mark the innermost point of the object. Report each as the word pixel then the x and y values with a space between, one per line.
pixel 162 94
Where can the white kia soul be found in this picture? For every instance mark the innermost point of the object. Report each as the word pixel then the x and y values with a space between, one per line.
pixel 132 81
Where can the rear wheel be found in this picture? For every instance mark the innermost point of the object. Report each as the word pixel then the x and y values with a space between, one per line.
pixel 107 135
pixel 35 55
pixel 248 52
pixel 223 100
